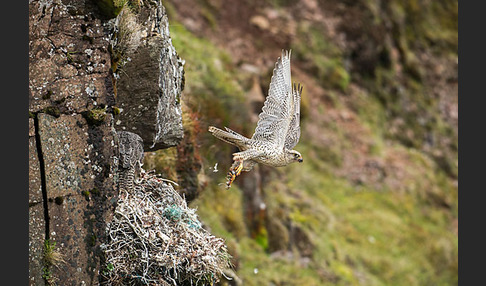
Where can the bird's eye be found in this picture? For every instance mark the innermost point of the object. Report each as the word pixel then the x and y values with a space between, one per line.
pixel 296 156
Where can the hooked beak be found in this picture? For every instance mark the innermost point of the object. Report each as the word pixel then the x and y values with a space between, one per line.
pixel 301 160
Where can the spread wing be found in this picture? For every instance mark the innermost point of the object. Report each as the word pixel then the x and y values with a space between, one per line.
pixel 293 133
pixel 277 111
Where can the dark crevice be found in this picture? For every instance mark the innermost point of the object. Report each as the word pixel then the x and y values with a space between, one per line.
pixel 50 19
pixel 51 42
pixel 42 174
pixel 33 204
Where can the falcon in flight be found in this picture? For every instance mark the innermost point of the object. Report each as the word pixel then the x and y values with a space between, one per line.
pixel 278 128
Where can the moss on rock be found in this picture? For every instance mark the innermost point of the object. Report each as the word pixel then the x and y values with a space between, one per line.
pixel 95 116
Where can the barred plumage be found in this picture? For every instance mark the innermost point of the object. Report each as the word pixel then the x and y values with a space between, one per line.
pixel 130 147
pixel 278 128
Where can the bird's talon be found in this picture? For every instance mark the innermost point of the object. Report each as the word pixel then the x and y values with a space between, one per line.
pixel 239 168
pixel 234 172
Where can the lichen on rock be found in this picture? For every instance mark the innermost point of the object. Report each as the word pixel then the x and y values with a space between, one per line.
pixel 149 76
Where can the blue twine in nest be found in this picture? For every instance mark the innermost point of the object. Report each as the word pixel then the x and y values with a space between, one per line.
pixel 172 213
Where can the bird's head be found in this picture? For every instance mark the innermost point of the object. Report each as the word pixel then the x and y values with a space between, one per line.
pixel 294 156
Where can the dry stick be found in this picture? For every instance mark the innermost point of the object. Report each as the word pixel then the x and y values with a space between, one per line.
pixel 139 219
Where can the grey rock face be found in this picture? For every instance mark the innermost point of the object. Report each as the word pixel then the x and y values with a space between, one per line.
pixel 37 234
pixel 150 81
pixel 35 187
pixel 69 60
pixel 73 150
pixel 68 227
pixel 78 159
pixel 68 171
pixel 37 230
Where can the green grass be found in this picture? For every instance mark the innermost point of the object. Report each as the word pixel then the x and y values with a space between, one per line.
pixel 358 235
pixel 51 258
pixel 211 91
pixel 392 238
pixel 321 58
pixel 210 76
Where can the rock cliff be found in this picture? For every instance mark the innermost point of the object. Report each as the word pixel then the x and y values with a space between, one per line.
pixel 95 67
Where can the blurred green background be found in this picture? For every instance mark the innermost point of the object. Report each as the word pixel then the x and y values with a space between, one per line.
pixel 375 201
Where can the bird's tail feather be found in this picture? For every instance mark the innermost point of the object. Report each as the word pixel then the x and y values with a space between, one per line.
pixel 228 136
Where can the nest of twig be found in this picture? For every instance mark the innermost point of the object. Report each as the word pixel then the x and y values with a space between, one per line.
pixel 155 239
